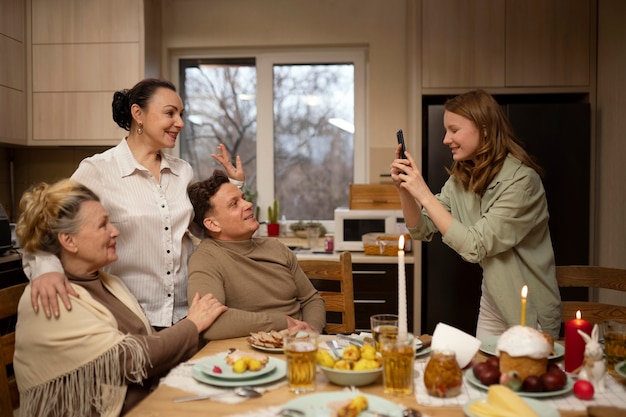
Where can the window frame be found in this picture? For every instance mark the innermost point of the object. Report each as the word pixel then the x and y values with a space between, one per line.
pixel 265 60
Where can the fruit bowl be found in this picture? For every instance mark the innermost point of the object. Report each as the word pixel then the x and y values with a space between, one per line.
pixel 351 378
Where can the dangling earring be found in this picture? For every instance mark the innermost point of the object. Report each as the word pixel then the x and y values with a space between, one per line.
pixel 140 129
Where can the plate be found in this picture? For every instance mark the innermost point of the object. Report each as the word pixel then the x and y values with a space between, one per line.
pixel 488 346
pixel 268 349
pixel 207 365
pixel 280 371
pixel 320 405
pixel 423 352
pixel 469 376
pixel 620 368
pixel 542 409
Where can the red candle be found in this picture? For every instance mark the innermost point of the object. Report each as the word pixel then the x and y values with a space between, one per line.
pixel 574 343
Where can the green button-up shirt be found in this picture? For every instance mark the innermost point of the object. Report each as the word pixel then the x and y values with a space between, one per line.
pixel 506 232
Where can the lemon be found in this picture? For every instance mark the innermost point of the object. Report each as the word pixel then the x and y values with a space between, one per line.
pixel 324 358
pixel 241 365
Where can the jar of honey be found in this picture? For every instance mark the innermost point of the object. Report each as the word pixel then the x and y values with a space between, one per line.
pixel 443 376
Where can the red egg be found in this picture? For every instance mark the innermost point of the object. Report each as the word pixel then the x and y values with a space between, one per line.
pixel 562 376
pixel 583 389
pixel 493 362
pixel 490 376
pixel 532 383
pixel 551 381
pixel 479 368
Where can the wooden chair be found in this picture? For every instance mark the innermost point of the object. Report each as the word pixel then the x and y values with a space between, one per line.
pixel 333 279
pixel 592 277
pixel 9 396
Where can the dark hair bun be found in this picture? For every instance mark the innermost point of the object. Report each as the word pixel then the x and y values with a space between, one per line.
pixel 121 109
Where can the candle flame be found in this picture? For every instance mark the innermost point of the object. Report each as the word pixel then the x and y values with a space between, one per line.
pixel 401 242
pixel 578 315
pixel 524 291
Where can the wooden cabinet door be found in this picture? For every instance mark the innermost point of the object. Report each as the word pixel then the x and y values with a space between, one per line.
pixel 463 43
pixel 12 72
pixel 548 42
pixel 376 292
pixel 82 52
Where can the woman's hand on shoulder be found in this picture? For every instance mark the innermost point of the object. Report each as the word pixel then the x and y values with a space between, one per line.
pixel 233 171
pixel 205 310
pixel 46 288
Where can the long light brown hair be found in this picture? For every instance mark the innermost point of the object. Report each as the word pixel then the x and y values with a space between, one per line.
pixel 498 140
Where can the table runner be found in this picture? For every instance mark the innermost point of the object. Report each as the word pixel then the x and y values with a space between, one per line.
pixel 614 395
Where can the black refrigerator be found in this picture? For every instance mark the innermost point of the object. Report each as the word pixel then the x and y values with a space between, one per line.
pixel 556 131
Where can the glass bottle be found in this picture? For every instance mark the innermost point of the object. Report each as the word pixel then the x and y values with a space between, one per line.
pixel 443 376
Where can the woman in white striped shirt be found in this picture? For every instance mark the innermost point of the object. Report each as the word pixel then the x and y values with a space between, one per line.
pixel 145 192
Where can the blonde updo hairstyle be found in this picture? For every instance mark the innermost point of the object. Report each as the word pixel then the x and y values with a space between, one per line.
pixel 49 209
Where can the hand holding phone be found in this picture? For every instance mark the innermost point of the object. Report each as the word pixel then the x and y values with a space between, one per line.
pixel 400 137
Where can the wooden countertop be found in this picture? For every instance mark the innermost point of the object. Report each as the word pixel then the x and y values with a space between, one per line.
pixel 9 257
pixel 357 257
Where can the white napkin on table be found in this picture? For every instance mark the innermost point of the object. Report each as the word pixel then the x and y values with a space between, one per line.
pixel 465 346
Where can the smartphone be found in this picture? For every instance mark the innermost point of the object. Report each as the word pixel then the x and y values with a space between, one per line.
pixel 400 137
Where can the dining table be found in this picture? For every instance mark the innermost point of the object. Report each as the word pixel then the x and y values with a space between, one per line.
pixel 161 401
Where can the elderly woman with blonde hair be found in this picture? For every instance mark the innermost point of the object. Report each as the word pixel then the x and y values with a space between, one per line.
pixel 102 357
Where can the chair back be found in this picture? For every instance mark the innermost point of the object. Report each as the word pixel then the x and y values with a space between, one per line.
pixel 9 396
pixel 592 277
pixel 333 280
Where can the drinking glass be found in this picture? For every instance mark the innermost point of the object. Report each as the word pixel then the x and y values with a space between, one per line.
pixel 614 344
pixel 383 324
pixel 300 350
pixel 398 359
pixel 312 234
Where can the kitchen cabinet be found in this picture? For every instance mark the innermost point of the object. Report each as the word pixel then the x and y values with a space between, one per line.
pixel 10 274
pixel 507 43
pixel 376 292
pixel 375 283
pixel 12 72
pixel 82 51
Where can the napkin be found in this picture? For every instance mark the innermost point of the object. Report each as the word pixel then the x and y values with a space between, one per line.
pixel 465 346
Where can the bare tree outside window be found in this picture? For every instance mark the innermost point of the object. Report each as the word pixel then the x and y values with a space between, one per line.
pixel 313 159
pixel 313 134
pixel 220 107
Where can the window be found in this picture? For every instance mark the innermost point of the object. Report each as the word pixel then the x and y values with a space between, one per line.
pixel 296 120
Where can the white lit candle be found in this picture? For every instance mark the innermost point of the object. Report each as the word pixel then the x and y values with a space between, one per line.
pixel 524 295
pixel 402 320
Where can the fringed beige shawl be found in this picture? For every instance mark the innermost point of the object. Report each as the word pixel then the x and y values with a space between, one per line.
pixel 66 366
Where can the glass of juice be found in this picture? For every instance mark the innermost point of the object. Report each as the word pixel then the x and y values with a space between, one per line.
pixel 300 350
pixel 383 324
pixel 398 359
pixel 614 344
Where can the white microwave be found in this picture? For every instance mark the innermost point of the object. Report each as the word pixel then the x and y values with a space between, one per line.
pixel 351 225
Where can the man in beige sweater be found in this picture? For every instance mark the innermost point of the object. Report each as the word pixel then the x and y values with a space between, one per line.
pixel 259 279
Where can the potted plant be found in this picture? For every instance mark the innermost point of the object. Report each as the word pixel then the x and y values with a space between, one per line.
pixel 273 227
pixel 299 228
